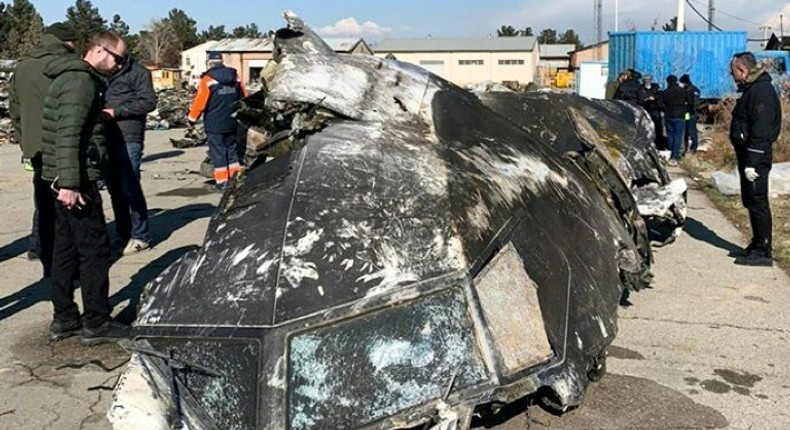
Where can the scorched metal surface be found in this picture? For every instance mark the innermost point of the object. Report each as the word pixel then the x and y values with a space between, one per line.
pixel 413 256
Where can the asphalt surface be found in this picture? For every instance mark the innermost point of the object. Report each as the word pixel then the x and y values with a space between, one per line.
pixel 705 348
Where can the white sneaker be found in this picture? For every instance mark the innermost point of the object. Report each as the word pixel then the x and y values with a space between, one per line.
pixel 134 246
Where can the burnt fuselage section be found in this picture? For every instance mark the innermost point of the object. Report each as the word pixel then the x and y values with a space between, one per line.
pixel 413 255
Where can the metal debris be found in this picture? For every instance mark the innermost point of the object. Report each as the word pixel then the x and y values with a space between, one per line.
pixel 6 126
pixel 356 280
pixel 171 110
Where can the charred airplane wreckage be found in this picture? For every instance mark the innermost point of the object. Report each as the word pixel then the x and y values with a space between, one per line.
pixel 412 258
pixel 615 135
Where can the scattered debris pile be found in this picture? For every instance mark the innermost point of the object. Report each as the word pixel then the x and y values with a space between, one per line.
pixel 193 137
pixel 6 127
pixel 172 109
pixel 411 257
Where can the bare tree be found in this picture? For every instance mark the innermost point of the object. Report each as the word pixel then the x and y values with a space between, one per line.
pixel 157 39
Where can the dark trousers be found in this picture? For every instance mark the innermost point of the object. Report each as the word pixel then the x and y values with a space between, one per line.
pixel 81 244
pixel 754 196
pixel 675 128
pixel 222 149
pixel 691 134
pixel 661 142
pixel 126 193
pixel 43 234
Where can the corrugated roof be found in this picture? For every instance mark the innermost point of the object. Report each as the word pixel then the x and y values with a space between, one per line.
pixel 560 50
pixel 458 44
pixel 242 45
pixel 203 47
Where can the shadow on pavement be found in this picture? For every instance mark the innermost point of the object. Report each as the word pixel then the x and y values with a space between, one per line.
pixel 14 249
pixel 145 275
pixel 162 155
pixel 699 231
pixel 617 402
pixel 162 227
pixel 166 222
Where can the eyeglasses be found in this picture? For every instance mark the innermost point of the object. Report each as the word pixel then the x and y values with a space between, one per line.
pixel 119 59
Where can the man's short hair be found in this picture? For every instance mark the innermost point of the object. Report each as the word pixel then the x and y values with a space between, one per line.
pixel 746 58
pixel 104 39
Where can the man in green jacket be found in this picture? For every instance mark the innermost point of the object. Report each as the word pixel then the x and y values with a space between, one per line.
pixel 73 155
pixel 27 90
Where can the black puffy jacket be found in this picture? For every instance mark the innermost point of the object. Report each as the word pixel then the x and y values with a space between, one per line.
pixel 756 118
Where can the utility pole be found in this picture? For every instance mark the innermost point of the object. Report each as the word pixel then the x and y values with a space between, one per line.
pixel 681 15
pixel 598 27
pixel 765 29
pixel 711 13
pixel 781 28
pixel 616 15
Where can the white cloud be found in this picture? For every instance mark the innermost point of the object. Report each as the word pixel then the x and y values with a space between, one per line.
pixel 349 27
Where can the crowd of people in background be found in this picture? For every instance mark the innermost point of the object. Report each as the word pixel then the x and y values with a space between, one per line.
pixel 755 126
pixel 674 109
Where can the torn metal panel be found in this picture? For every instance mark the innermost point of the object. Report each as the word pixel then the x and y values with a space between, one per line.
pixel 519 334
pixel 357 280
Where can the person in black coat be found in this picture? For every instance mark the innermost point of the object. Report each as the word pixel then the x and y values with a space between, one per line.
pixel 691 139
pixel 756 123
pixel 628 90
pixel 676 104
pixel 130 97
pixel 650 99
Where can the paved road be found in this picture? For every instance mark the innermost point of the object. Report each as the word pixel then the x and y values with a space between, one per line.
pixel 706 348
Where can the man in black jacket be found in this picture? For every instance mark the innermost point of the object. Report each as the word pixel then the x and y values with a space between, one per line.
pixel 756 123
pixel 650 99
pixel 692 140
pixel 27 90
pixel 676 103
pixel 628 90
pixel 130 96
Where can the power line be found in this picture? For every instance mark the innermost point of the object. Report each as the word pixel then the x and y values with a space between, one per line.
pixel 731 15
pixel 702 16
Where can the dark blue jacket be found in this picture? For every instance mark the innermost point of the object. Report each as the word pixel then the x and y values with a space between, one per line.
pixel 219 92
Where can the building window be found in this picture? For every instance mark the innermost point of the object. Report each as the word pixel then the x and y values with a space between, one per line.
pixel 189 62
pixel 255 74
pixel 470 62
pixel 511 62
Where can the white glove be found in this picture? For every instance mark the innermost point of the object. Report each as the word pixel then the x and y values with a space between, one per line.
pixel 750 174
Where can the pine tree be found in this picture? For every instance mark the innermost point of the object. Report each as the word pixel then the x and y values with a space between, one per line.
pixel 570 36
pixel 119 26
pixel 213 33
pixel 5 20
pixel 87 20
pixel 185 29
pixel 22 28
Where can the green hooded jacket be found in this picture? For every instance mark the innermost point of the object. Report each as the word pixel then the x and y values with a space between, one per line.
pixel 27 91
pixel 73 145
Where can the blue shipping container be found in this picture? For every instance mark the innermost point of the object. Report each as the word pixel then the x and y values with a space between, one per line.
pixel 704 55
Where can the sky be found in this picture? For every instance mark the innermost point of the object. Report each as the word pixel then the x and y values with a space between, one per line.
pixel 376 19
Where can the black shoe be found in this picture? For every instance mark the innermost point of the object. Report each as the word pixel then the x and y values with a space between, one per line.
pixel 108 331
pixel 755 258
pixel 59 330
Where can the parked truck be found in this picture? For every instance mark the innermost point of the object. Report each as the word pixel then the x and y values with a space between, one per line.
pixel 703 55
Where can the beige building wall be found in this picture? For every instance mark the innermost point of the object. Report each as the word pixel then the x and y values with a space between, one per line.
pixel 246 63
pixel 464 68
pixel 593 53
